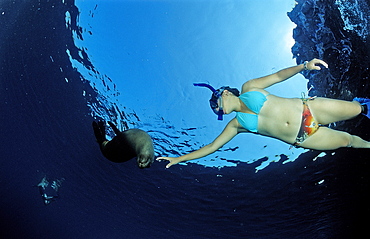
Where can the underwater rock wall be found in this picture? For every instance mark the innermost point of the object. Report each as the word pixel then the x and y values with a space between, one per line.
pixel 322 33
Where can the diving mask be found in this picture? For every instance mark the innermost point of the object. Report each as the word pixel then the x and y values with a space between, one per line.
pixel 216 100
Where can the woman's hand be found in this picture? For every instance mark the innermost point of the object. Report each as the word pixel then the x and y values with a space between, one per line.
pixel 170 159
pixel 313 64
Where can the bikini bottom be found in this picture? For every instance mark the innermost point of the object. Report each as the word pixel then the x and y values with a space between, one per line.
pixel 308 126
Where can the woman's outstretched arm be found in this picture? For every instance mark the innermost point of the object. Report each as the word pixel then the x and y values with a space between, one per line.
pixel 282 75
pixel 230 131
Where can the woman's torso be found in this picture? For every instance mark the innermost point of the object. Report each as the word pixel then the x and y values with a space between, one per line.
pixel 278 117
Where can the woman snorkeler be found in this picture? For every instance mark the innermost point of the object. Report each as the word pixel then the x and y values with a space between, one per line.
pixel 293 120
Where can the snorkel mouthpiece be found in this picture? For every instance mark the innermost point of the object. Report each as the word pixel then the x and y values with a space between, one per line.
pixel 217 93
pixel 220 115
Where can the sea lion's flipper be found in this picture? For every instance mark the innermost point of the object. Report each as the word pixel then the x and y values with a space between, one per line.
pixel 116 131
pixel 99 131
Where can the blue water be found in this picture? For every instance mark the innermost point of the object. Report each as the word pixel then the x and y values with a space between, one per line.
pixel 46 132
pixel 184 43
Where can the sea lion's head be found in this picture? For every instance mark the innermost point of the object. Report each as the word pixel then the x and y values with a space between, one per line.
pixel 145 160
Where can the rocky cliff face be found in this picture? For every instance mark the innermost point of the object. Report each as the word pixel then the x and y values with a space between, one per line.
pixel 335 31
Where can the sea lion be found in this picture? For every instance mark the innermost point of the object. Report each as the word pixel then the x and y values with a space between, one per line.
pixel 125 145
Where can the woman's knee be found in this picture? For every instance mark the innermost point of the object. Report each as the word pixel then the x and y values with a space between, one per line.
pixel 357 142
pixel 349 141
pixel 343 140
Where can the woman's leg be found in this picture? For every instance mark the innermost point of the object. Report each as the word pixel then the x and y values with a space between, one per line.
pixel 329 139
pixel 326 111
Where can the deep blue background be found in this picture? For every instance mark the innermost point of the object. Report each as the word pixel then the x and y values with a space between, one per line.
pixel 46 130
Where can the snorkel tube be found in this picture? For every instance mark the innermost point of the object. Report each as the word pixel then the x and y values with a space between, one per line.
pixel 217 93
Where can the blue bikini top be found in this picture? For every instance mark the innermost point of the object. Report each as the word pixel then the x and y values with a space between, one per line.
pixel 254 100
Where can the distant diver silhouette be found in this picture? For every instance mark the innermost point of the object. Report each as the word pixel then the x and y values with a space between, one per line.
pixel 125 145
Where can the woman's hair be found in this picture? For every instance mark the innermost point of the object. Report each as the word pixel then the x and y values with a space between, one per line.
pixel 218 93
pixel 233 90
